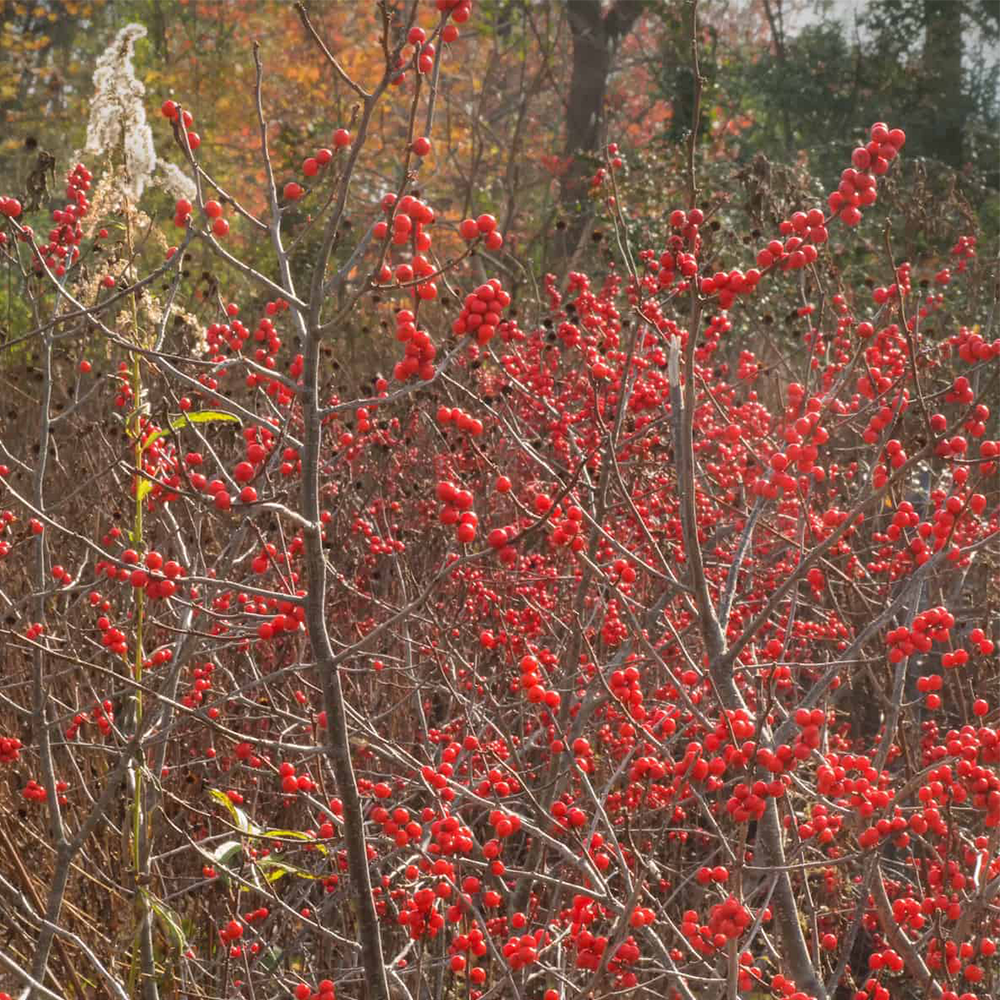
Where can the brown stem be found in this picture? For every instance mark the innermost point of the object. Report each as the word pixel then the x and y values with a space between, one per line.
pixel 914 963
pixel 696 111
pixel 338 741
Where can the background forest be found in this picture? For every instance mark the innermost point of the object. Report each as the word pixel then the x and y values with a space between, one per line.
pixel 536 89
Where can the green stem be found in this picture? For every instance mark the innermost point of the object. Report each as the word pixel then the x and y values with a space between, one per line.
pixel 138 852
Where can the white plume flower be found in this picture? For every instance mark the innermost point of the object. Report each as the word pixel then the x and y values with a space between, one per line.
pixel 175 182
pixel 118 115
pixel 117 112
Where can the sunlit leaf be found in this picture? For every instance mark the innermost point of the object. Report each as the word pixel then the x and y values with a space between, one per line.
pixel 241 821
pixel 227 851
pixel 200 417
pixel 274 868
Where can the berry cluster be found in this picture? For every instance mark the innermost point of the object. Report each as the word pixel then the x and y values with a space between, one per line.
pixel 796 251
pixel 63 247
pixel 675 258
pixel 707 875
pixel 521 951
pixel 7 519
pixel 157 577
pixel 398 825
pixel 857 185
pixel 213 209
pixel 802 233
pixel 567 528
pixel 471 943
pixel 457 510
pixel 970 346
pixel 410 219
pixel 483 312
pixel 458 11
pixel 229 935
pixel 499 539
pixel 419 353
pixel 325 990
pixel 458 418
pixel 182 213
pixel 626 689
pixel 34 792
pixel 201 681
pixel 727 921
pixel 291 783
pixel 312 165
pixel 102 714
pixel 901 286
pixel 530 682
pixel 170 111
pixel 282 617
pixel 423 51
pixel 616 162
pixel 10 748
pixel 485 228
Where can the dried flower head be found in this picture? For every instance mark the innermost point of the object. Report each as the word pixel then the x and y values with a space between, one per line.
pixel 118 116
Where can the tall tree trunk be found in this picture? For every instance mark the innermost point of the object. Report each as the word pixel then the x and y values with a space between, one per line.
pixel 596 36
pixel 942 64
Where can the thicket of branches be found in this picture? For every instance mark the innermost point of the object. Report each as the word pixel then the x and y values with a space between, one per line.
pixel 384 618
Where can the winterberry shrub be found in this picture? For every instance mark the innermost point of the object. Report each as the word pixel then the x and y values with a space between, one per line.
pixel 603 639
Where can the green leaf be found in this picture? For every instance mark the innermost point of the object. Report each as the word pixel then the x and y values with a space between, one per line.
pixel 203 417
pixel 241 821
pixel 199 417
pixel 274 868
pixel 227 851
pixel 170 919
pixel 145 485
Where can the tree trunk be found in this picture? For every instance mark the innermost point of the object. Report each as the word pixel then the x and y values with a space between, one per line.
pixel 942 63
pixel 589 82
pixel 595 38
